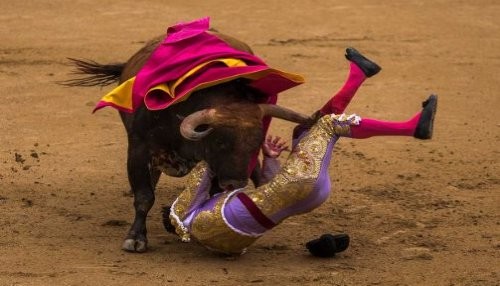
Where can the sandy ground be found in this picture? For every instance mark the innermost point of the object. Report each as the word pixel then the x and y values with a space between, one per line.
pixel 418 213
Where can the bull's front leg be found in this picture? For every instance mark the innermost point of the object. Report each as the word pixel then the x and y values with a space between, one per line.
pixel 140 178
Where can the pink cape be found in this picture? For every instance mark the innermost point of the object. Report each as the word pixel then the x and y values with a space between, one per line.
pixel 186 46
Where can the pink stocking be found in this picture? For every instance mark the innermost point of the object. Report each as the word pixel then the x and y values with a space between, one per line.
pixel 372 127
pixel 338 103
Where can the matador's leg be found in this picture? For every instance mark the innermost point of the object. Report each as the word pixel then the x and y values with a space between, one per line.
pixel 303 182
pixel 360 68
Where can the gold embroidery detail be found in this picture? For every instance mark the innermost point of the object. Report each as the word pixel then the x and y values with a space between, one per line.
pixel 210 229
pixel 295 181
pixel 184 200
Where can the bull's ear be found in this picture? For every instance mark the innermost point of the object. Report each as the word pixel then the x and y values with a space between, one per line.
pixel 285 114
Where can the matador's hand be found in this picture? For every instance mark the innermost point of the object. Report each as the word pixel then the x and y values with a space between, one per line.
pixel 273 147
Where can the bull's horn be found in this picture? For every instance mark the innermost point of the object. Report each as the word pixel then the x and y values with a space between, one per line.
pixel 189 124
pixel 286 114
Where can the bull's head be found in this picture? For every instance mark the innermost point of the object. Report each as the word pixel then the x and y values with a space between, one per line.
pixel 230 135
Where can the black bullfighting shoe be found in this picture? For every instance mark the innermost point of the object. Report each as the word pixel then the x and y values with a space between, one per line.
pixel 426 122
pixel 328 244
pixel 369 67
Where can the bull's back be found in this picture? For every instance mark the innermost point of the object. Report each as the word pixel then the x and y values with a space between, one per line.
pixel 137 61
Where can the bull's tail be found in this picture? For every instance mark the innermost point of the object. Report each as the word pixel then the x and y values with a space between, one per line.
pixel 92 73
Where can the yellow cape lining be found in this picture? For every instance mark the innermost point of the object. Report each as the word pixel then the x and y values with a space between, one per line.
pixel 121 96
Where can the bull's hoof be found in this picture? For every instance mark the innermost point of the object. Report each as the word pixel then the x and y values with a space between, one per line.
pixel 135 245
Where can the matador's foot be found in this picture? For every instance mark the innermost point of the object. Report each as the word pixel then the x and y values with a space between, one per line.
pixel 327 245
pixel 369 67
pixel 426 122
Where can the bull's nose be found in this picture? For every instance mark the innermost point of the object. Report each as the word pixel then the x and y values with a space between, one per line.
pixel 232 184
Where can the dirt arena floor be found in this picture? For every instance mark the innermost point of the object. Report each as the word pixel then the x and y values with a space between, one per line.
pixel 418 213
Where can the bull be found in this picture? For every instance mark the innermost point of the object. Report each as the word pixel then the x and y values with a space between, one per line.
pixel 221 125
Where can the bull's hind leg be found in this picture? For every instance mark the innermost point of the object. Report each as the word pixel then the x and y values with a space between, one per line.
pixel 142 182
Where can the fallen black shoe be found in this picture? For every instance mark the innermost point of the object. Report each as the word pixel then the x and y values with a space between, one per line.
pixel 368 67
pixel 426 122
pixel 166 220
pixel 327 245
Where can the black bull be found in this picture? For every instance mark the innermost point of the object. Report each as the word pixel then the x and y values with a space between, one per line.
pixel 221 125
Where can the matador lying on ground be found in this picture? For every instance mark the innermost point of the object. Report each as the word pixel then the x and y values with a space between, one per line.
pixel 231 221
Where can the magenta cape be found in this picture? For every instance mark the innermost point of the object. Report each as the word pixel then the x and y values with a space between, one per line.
pixel 187 46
